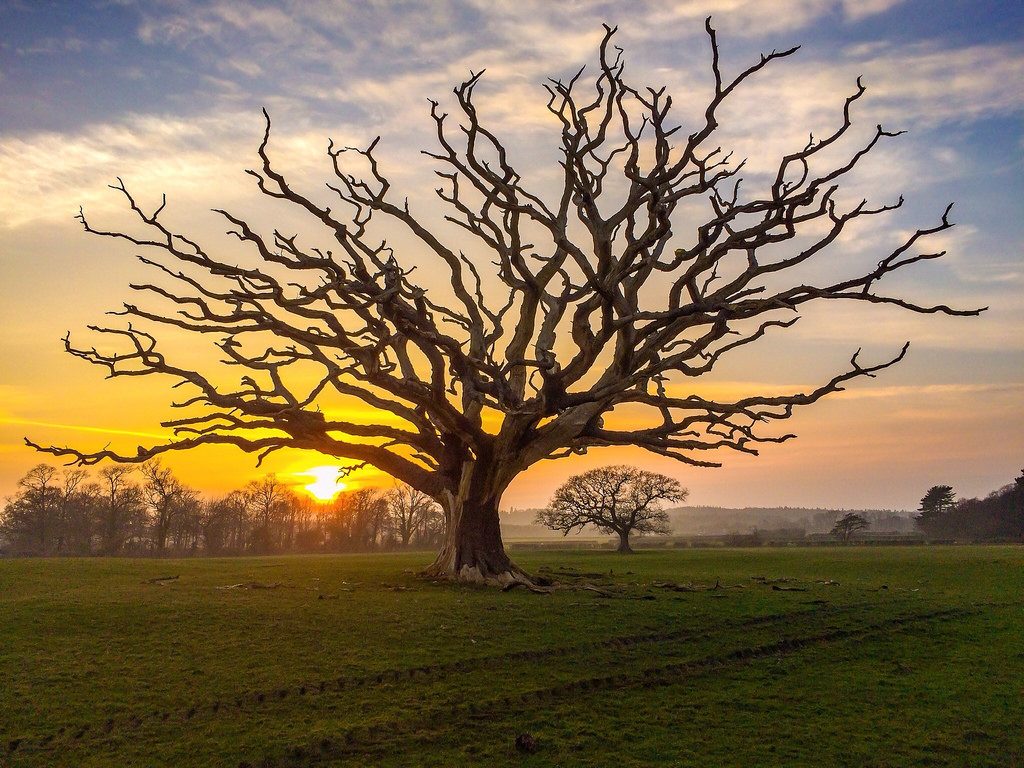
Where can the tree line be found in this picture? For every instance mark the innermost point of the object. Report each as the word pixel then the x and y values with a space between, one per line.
pixel 147 510
pixel 998 516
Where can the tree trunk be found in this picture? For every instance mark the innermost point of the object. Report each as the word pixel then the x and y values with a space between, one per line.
pixel 624 547
pixel 473 550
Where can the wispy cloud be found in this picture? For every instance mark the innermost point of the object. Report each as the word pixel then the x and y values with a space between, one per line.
pixel 83 428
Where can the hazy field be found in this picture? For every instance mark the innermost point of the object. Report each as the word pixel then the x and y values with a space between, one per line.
pixel 915 657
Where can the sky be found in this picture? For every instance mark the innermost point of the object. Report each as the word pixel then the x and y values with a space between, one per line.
pixel 167 95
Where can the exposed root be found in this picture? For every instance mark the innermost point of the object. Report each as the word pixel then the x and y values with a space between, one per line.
pixel 507 578
pixel 483 567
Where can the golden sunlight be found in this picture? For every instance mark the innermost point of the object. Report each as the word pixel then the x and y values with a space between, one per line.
pixel 326 484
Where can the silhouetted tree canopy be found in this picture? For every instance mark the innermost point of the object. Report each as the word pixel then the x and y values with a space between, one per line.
pixel 125 510
pixel 997 517
pixel 592 295
pixel 848 525
pixel 938 501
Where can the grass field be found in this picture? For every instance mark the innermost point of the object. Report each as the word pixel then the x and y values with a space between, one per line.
pixel 914 657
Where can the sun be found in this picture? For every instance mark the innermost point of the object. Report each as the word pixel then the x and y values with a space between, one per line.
pixel 325 485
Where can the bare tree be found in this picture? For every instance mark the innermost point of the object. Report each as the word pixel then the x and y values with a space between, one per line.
pixel 587 299
pixel 119 509
pixel 267 501
pixel 165 497
pixel 305 533
pixel 357 520
pixel 848 525
pixel 410 513
pixel 51 513
pixel 616 499
pixel 29 520
pixel 225 524
pixel 185 530
pixel 74 513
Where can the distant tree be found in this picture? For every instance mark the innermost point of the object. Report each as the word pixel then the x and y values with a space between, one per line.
pixel 185 530
pixel 935 506
pixel 356 521
pixel 51 513
pixel 616 499
pixel 225 524
pixel 432 527
pixel 267 501
pixel 165 498
pixel 74 523
pixel 409 513
pixel 30 517
pixel 214 521
pixel 119 510
pixel 848 525
pixel 304 531
pixel 997 517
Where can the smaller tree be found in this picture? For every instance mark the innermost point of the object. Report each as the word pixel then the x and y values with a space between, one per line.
pixel 29 521
pixel 935 507
pixel 357 520
pixel 165 497
pixel 120 512
pixel 410 514
pixel 616 499
pixel 848 525
pixel 267 502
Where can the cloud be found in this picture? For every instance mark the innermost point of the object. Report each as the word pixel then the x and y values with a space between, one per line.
pixel 83 428
pixel 200 159
pixel 857 10
pixel 915 391
pixel 49 46
pixel 732 390
pixel 926 84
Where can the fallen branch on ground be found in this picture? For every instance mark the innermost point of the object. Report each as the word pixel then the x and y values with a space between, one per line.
pixel 161 580
pixel 252 585
pixel 688 587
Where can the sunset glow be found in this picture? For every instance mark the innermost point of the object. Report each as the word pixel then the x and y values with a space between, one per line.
pixel 326 484
pixel 168 96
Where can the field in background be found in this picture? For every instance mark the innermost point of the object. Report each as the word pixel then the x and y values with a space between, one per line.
pixel 884 656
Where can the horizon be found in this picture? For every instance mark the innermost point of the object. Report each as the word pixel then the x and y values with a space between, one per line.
pixel 183 117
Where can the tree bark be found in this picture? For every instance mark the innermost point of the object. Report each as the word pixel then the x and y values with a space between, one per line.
pixel 624 547
pixel 473 550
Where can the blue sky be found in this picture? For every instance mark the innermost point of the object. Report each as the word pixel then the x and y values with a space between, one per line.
pixel 167 94
pixel 68 63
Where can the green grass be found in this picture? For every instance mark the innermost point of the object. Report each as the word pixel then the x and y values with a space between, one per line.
pixel 915 657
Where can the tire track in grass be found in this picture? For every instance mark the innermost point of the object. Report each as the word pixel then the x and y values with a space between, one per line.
pixel 358 740
pixel 254 699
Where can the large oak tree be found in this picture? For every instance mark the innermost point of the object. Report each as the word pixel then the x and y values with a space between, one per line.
pixel 589 299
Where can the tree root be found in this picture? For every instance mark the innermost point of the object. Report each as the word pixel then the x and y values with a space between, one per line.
pixel 507 579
